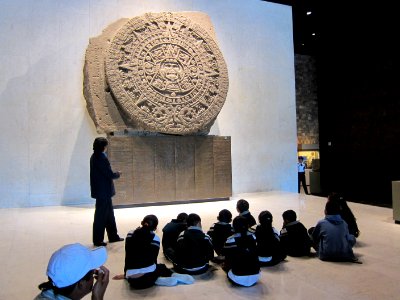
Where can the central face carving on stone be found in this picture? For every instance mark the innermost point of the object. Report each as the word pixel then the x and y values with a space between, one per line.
pixel 167 74
pixel 171 70
pixel 170 75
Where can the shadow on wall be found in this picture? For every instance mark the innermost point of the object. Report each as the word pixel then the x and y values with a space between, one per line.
pixel 48 134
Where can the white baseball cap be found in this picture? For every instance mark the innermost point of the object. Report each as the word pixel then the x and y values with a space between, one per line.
pixel 71 263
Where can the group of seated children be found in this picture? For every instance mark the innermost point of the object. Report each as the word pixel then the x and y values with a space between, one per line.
pixel 242 248
pixel 241 245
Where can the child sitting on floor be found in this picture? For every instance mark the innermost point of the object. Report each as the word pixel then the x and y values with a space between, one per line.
pixel 241 263
pixel 270 250
pixel 294 237
pixel 331 237
pixel 346 213
pixel 242 207
pixel 141 250
pixel 194 249
pixel 219 232
pixel 171 233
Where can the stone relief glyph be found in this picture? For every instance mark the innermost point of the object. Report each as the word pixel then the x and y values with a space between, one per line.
pixel 166 74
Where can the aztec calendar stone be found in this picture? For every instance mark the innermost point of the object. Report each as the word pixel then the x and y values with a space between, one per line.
pixel 166 73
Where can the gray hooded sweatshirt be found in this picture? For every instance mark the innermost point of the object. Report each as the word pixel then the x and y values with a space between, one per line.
pixel 332 237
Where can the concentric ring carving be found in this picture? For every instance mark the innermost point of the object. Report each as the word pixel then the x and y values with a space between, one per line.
pixel 167 74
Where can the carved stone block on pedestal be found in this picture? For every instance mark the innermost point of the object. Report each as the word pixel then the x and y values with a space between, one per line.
pixel 155 84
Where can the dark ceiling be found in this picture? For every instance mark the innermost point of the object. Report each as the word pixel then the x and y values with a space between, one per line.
pixel 323 27
pixel 305 19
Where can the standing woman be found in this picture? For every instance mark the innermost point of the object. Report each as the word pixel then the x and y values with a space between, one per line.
pixel 241 262
pixel 102 189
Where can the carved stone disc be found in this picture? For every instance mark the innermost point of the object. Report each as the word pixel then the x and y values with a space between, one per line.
pixel 167 74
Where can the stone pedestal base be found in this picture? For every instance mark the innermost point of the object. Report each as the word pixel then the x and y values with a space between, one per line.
pixel 165 169
pixel 315 183
pixel 396 200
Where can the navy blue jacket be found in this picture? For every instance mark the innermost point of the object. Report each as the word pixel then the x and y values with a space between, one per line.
pixel 295 239
pixel 141 249
pixel 241 254
pixel 219 233
pixel 250 219
pixel 171 233
pixel 268 243
pixel 194 248
pixel 101 176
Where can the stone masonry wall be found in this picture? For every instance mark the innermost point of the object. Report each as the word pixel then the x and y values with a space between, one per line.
pixel 306 100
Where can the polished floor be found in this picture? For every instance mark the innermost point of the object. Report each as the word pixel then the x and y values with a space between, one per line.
pixel 30 236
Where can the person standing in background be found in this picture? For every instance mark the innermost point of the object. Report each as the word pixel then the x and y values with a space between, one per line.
pixel 301 169
pixel 102 189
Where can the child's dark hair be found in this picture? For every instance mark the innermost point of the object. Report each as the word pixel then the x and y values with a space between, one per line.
pixel 332 208
pixel 289 215
pixel 337 197
pixel 193 220
pixel 265 219
pixel 240 225
pixel 99 144
pixel 182 217
pixel 225 216
pixel 242 205
pixel 150 222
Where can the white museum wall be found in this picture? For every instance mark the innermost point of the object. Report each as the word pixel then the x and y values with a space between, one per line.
pixel 48 134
